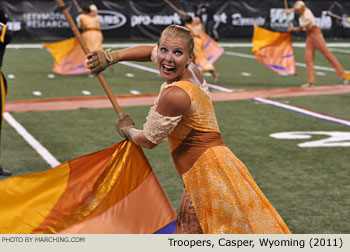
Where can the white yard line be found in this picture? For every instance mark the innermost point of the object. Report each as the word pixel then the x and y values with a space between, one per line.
pixel 249 56
pixel 43 152
pixel 152 70
pixel 144 68
pixel 243 55
pixel 339 50
pixel 303 111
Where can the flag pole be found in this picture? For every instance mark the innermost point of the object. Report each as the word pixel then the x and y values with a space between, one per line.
pixel 286 7
pixel 182 13
pixel 77 5
pixel 102 80
pixel 338 17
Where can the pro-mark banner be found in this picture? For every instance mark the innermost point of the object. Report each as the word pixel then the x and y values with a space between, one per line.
pixel 113 191
pixel 274 50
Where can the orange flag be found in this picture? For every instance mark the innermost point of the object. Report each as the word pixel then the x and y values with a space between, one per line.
pixel 69 57
pixel 274 50
pixel 113 191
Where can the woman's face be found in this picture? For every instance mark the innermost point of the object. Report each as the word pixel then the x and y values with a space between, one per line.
pixel 172 57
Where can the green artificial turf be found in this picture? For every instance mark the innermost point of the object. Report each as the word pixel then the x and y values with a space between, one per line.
pixel 308 186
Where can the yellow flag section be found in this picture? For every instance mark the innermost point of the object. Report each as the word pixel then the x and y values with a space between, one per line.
pixel 69 57
pixel 113 191
pixel 274 50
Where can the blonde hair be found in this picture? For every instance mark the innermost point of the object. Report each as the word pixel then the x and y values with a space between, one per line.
pixel 299 4
pixel 93 7
pixel 179 32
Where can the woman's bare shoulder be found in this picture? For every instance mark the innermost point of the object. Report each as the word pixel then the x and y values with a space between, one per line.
pixel 173 102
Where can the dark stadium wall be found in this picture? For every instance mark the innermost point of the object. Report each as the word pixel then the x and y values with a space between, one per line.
pixel 32 20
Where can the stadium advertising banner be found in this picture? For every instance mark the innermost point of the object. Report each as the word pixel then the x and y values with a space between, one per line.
pixel 143 20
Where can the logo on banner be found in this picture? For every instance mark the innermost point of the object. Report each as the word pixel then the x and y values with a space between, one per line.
pixel 45 20
pixel 324 22
pixel 14 25
pixel 238 20
pixel 111 19
pixel 278 18
pixel 155 20
pixel 221 18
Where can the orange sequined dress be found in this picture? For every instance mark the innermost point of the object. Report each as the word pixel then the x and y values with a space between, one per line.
pixel 220 195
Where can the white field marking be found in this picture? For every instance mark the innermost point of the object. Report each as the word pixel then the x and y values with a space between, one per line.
pixel 152 70
pixel 316 67
pixel 85 92
pixel 334 139
pixel 222 89
pixel 131 75
pixel 135 92
pixel 37 93
pixel 222 44
pixel 144 68
pixel 303 111
pixel 11 76
pixel 329 44
pixel 339 50
pixel 43 152
pixel 320 73
pixel 243 55
pixel 246 74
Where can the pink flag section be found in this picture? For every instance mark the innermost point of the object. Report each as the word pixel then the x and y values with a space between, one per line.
pixel 212 50
pixel 69 57
pixel 274 50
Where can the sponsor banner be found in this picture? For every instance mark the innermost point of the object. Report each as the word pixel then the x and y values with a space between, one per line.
pixel 142 20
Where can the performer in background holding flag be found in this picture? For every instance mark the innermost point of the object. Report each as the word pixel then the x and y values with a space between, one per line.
pixel 219 196
pixel 314 40
pixel 195 26
pixel 90 24
pixel 206 50
pixel 68 55
pixel 207 12
pixel 5 38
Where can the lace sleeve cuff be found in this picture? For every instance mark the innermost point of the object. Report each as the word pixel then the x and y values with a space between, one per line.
pixel 158 127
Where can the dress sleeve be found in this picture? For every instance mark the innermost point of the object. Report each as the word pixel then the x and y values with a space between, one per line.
pixel 158 127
